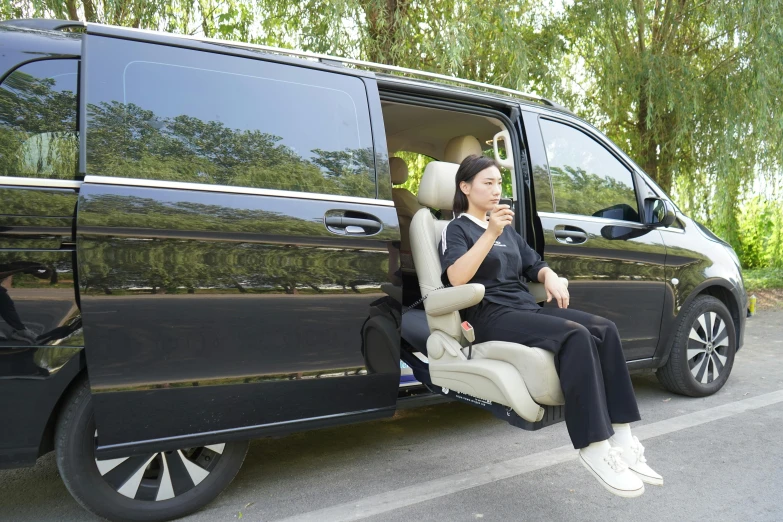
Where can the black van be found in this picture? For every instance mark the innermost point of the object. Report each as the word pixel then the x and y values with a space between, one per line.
pixel 200 244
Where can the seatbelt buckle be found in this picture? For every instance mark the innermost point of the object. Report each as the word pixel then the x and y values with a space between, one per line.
pixel 467 331
pixel 470 335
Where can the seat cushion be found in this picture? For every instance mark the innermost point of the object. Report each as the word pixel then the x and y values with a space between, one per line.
pixel 535 365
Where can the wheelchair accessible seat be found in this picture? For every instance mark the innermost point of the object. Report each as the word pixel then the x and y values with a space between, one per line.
pixel 520 377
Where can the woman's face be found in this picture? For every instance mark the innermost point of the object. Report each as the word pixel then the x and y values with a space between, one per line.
pixel 483 191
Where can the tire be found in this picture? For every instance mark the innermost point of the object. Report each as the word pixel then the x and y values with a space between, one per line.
pixel 702 354
pixel 127 489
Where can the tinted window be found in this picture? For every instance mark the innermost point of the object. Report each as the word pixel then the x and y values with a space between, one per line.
pixel 586 178
pixel 38 107
pixel 180 115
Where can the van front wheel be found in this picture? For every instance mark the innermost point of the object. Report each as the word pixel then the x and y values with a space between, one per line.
pixel 151 487
pixel 703 350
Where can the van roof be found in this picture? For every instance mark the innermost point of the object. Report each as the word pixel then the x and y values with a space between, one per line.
pixel 392 71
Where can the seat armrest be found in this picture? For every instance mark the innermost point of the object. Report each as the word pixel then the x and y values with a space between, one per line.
pixel 447 300
pixel 539 292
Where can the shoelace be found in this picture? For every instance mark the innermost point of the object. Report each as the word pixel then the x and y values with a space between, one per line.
pixel 615 460
pixel 638 450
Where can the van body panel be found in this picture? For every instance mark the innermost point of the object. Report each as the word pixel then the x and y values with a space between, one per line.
pixel 222 293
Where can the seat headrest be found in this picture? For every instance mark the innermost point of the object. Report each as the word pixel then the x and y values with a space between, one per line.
pixel 437 186
pixel 459 148
pixel 399 170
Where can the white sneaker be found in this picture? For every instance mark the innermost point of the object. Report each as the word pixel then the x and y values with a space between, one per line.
pixel 633 455
pixel 613 473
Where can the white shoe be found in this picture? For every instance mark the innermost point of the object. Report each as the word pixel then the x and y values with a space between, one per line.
pixel 613 473
pixel 633 455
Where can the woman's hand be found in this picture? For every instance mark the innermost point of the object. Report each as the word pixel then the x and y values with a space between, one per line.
pixel 499 217
pixel 555 288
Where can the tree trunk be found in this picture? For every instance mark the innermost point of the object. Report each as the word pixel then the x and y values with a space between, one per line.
pixel 648 145
pixel 71 7
pixel 89 11
pixel 383 18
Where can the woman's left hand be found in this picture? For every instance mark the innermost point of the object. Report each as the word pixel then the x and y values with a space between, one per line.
pixel 555 288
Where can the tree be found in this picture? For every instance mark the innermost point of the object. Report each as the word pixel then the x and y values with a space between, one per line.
pixel 690 88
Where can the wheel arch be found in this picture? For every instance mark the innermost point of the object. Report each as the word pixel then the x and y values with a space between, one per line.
pixel 47 435
pixel 717 288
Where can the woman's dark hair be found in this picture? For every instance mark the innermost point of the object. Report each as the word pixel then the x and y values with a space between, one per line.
pixel 468 169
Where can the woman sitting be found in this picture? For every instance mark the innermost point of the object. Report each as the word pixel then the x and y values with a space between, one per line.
pixel 479 246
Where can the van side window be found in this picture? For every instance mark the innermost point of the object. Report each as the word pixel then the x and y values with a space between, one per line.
pixel 38 108
pixel 172 114
pixel 586 178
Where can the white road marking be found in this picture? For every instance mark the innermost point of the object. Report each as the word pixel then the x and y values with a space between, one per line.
pixel 399 498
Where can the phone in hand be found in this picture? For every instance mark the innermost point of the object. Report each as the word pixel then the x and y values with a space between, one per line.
pixel 507 201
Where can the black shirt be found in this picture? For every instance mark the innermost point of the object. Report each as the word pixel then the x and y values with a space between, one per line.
pixel 502 269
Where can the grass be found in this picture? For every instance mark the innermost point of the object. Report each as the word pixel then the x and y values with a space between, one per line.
pixel 763 278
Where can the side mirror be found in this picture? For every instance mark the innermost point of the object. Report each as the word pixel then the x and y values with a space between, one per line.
pixel 658 212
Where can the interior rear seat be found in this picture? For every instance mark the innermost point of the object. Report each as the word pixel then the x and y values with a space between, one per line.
pixel 407 205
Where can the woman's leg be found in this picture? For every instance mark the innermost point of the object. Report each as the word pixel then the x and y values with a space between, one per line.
pixel 576 359
pixel 620 397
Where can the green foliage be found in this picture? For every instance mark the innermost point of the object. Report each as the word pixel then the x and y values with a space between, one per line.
pixel 416 163
pixel 760 236
pixel 763 278
pixel 692 89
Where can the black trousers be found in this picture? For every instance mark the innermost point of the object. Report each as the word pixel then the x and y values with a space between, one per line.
pixel 588 357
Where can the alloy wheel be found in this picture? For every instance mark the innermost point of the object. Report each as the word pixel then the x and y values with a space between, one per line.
pixel 708 345
pixel 160 476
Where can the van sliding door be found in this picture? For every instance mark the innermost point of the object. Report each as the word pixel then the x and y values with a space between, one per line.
pixel 230 241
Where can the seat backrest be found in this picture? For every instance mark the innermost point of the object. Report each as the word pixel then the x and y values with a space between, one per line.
pixel 459 148
pixel 404 201
pixel 436 191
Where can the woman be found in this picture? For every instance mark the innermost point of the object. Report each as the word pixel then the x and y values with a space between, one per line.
pixel 479 246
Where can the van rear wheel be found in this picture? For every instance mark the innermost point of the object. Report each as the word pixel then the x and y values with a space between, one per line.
pixel 151 487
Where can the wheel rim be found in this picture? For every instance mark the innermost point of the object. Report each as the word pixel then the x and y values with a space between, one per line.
pixel 160 476
pixel 708 347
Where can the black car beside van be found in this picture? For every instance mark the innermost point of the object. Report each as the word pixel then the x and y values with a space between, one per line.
pixel 201 244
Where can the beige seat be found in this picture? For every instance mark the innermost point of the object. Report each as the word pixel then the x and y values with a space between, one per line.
pixel 406 204
pixel 517 376
pixel 459 148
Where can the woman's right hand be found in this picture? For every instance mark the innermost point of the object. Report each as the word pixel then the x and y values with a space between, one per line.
pixel 499 217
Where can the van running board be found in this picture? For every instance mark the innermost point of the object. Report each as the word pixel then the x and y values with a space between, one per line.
pixel 552 414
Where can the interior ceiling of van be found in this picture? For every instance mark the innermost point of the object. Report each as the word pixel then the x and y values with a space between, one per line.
pixel 427 131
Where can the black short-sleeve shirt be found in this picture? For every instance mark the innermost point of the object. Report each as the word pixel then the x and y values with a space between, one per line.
pixel 501 272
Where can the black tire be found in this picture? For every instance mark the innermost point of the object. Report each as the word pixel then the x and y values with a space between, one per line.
pixel 702 354
pixel 165 475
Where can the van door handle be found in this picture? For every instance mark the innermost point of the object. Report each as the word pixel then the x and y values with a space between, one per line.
pixel 570 237
pixel 352 226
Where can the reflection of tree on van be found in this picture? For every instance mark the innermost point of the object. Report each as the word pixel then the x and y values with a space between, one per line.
pixel 38 135
pixel 173 264
pixel 581 192
pixel 126 140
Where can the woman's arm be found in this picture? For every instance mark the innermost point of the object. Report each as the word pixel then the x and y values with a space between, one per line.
pixel 554 287
pixel 468 264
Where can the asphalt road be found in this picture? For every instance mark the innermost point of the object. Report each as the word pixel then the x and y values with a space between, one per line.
pixel 721 458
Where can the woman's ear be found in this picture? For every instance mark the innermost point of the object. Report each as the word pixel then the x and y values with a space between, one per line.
pixel 464 186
